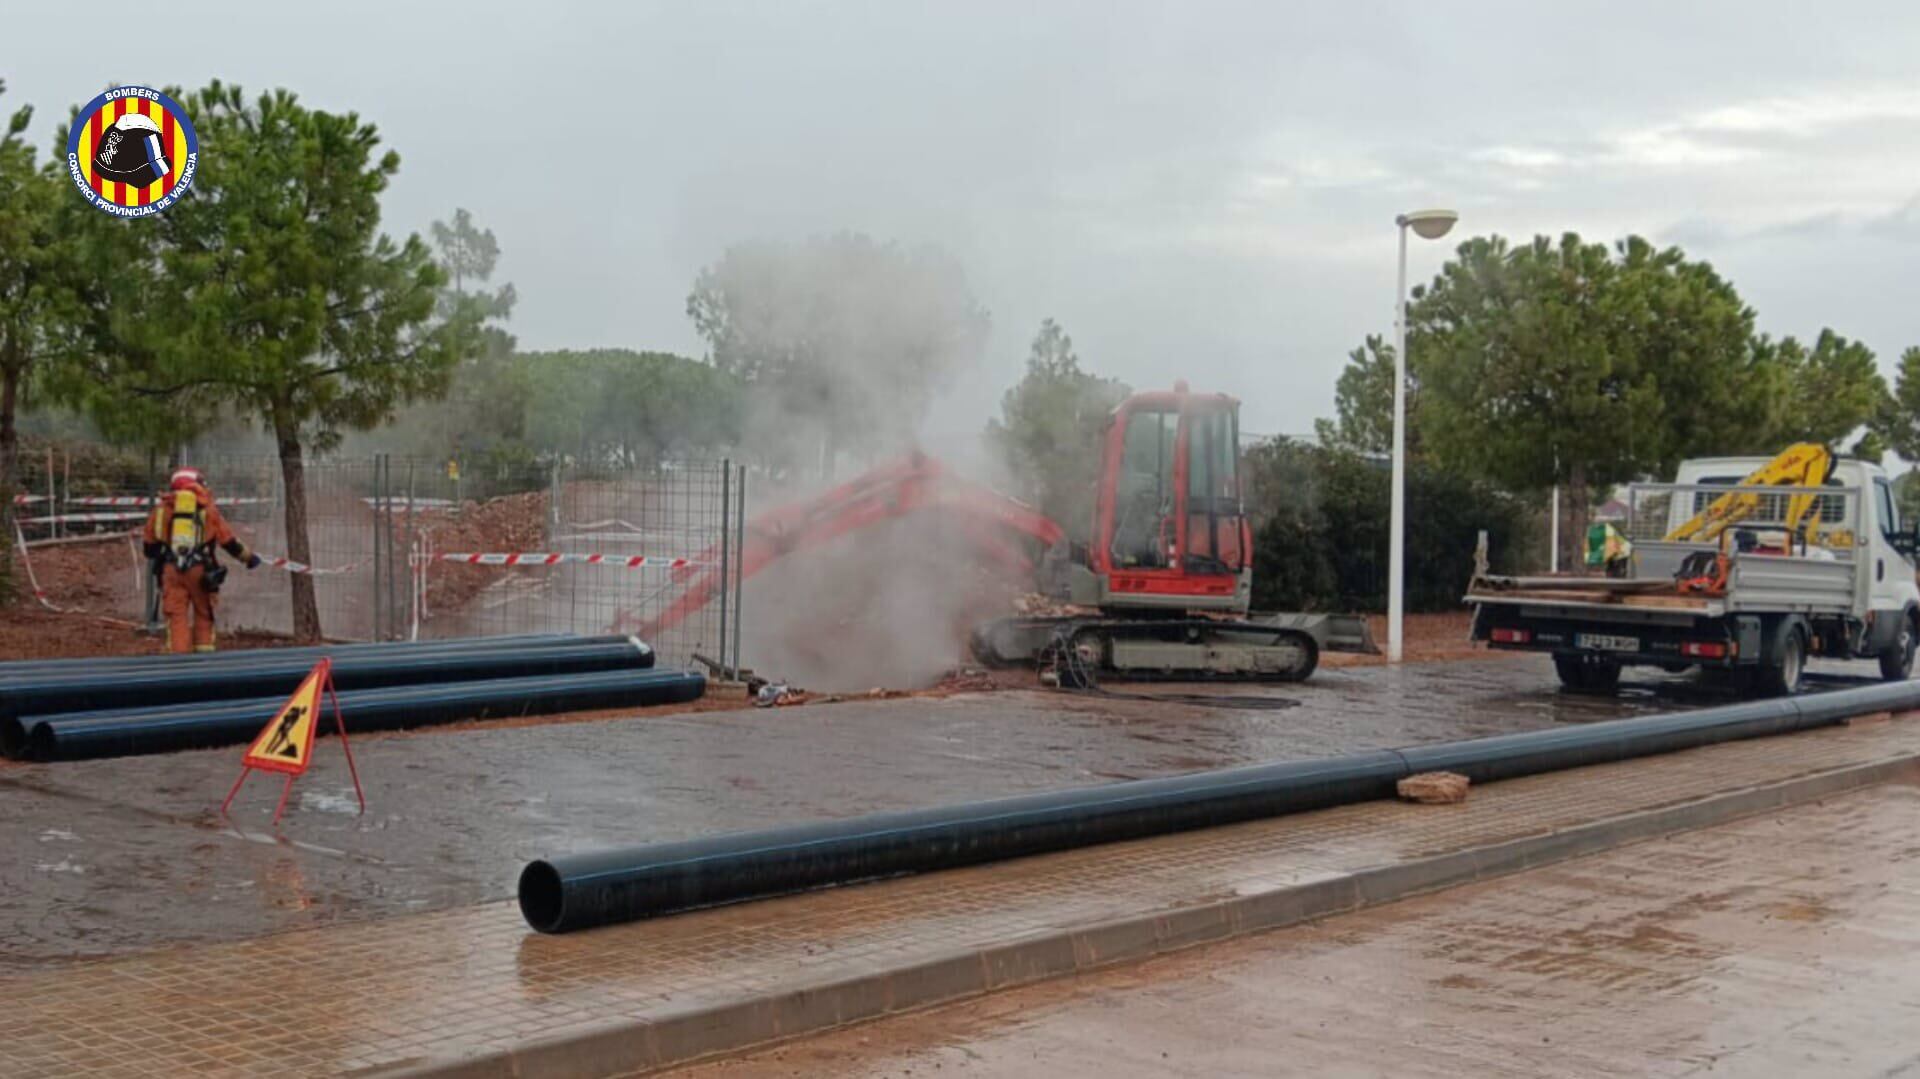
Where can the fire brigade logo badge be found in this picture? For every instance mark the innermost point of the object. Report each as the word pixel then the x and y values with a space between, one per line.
pixel 132 151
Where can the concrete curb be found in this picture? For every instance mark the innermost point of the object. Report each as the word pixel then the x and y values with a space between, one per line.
pixel 709 1030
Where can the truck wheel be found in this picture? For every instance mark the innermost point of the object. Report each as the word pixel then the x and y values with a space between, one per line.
pixel 1780 676
pixel 1896 664
pixel 1586 674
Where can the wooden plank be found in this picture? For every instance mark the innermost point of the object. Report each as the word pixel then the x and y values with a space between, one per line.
pixel 1561 595
pixel 1574 583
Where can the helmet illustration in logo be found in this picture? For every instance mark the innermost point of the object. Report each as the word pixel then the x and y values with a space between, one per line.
pixel 132 152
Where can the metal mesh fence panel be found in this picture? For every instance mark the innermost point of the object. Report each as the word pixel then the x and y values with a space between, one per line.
pixel 569 549
pixel 407 548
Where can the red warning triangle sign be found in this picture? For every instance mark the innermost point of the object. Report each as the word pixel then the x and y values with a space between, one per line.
pixel 286 743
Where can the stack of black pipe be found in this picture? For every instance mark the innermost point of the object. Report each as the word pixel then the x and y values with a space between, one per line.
pixel 70 709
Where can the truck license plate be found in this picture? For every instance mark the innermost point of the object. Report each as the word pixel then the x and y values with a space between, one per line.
pixel 1606 642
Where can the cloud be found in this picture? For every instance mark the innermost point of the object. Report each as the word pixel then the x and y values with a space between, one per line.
pixel 1736 133
pixel 1901 224
pixel 1809 114
pixel 1520 157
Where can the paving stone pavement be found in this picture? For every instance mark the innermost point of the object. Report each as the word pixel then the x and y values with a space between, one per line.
pixel 470 984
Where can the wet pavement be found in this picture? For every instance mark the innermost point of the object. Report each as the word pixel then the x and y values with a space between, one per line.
pixel 107 857
pixel 1783 944
pixel 472 991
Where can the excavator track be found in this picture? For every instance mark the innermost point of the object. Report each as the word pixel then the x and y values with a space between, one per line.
pixel 1083 650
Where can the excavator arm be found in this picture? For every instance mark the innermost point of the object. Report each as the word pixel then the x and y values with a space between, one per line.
pixel 993 524
pixel 1803 464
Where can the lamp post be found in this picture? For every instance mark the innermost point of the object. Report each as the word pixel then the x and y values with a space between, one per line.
pixel 1428 225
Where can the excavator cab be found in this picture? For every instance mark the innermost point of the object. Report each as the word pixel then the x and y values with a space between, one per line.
pixel 1170 531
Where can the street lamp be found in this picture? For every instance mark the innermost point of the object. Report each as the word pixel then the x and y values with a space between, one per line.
pixel 1429 225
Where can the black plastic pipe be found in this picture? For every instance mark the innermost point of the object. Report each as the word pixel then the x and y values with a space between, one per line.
pixel 129 732
pixel 34 669
pixel 562 894
pixel 69 692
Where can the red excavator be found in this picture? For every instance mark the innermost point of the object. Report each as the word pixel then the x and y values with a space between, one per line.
pixel 1162 592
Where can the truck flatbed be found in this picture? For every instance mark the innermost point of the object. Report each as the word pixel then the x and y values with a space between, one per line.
pixel 1818 570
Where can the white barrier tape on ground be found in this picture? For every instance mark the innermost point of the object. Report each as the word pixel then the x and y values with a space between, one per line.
pixel 404 503
pixel 547 558
pixel 33 580
pixel 288 564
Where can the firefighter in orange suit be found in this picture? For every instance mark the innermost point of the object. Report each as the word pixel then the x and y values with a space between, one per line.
pixel 181 534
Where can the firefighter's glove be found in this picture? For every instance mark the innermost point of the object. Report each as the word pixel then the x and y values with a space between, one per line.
pixel 253 560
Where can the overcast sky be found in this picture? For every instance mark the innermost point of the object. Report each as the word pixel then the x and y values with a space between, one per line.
pixel 1194 190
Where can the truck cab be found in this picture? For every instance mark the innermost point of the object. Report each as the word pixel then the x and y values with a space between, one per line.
pixel 1779 574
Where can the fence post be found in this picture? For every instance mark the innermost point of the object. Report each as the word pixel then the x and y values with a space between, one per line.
pixel 377 502
pixel 739 565
pixel 556 489
pixel 413 519
pixel 726 538
pixel 150 595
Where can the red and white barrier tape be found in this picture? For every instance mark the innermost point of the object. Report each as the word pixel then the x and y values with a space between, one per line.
pixel 102 517
pixel 547 558
pixel 110 500
pixel 148 500
pixel 123 500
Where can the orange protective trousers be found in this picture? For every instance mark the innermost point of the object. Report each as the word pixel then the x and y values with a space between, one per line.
pixel 188 606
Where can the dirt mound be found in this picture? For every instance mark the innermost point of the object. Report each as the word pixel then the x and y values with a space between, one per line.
pixel 505 524
pixel 102 577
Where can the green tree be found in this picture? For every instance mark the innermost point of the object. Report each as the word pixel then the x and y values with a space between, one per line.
pixel 616 408
pixel 844 340
pixel 1363 403
pixel 1835 388
pixel 276 293
pixel 484 402
pixel 1566 363
pixel 468 251
pixel 1320 520
pixel 1900 423
pixel 1049 431
pixel 38 307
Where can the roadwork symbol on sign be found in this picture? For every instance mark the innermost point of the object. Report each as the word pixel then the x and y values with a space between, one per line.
pixel 285 744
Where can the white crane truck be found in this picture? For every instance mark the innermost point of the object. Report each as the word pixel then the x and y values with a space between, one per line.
pixel 1743 564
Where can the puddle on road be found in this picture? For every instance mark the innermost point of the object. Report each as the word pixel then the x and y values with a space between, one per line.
pixel 452 816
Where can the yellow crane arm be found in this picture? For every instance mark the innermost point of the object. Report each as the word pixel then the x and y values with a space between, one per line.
pixel 1803 464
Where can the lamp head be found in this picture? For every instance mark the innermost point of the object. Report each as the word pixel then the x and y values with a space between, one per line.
pixel 1428 224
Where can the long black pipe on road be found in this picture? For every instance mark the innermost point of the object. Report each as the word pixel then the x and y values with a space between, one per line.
pixel 562 894
pixel 128 732
pixel 36 669
pixel 267 675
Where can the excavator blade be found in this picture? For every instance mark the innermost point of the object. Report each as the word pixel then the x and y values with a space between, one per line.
pixel 1332 632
